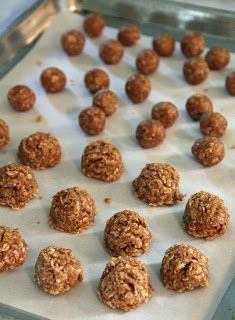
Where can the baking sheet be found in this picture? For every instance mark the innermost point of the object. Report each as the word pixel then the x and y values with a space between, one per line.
pixel 60 113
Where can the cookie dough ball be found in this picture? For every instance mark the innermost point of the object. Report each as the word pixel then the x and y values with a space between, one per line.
pixel 4 134
pixel 217 58
pixel 195 71
pixel 208 151
pixel 138 88
pixel 230 83
pixel 158 184
pixel 213 124
pixel 164 45
pixel 101 160
pixel 53 80
pixel 192 45
pixel 17 185
pixel 40 151
pixel 107 101
pixel 92 120
pixel 96 79
pixel 21 98
pixel 57 270
pixel 147 61
pixel 93 25
pixel 166 112
pixel 111 51
pixel 73 42
pixel 129 35
pixel 124 284
pixel 127 234
pixel 72 210
pixel 150 133
pixel 205 216
pixel 184 268
pixel 197 105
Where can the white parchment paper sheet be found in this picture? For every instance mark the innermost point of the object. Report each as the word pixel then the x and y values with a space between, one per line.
pixel 60 113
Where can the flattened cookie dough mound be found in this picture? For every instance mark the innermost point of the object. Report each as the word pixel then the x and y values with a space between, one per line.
pixel 13 249
pixel 192 44
pixel 107 101
pixel 150 133
pixel 96 79
pixel 53 80
pixel 184 268
pixel 72 210
pixel 124 284
pixel 147 61
pixel 93 25
pixel 57 270
pixel 92 120
pixel 127 234
pixel 166 112
pixel 21 98
pixel 4 134
pixel 164 45
pixel 138 88
pixel 158 184
pixel 213 124
pixel 197 105
pixel 111 51
pixel 205 216
pixel 40 151
pixel 195 71
pixel 129 35
pixel 17 185
pixel 102 160
pixel 73 42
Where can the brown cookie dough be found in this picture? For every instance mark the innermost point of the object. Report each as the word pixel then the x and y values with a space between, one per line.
pixel 164 45
pixel 184 268
pixel 57 270
pixel 96 79
pixel 213 124
pixel 129 35
pixel 13 249
pixel 72 210
pixel 217 58
pixel 17 185
pixel 150 133
pixel 73 42
pixel 53 80
pixel 102 160
pixel 208 151
pixel 21 98
pixel 4 134
pixel 195 71
pixel 192 45
pixel 158 184
pixel 124 284
pixel 147 61
pixel 107 101
pixel 111 51
pixel 92 120
pixel 205 216
pixel 40 151
pixel 93 25
pixel 138 88
pixel 230 83
pixel 127 234
pixel 197 105
pixel 166 112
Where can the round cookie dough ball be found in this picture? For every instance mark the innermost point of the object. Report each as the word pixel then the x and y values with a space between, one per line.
pixel 184 268
pixel 138 88
pixel 150 133
pixel 53 80
pixel 92 120
pixel 21 98
pixel 166 112
pixel 73 42
pixel 96 79
pixel 195 71
pixel 17 185
pixel 208 151
pixel 72 210
pixel 127 234
pixel 158 184
pixel 111 51
pixel 147 61
pixel 205 216
pixel 164 45
pixel 230 83
pixel 4 134
pixel 129 35
pixel 57 270
pixel 217 58
pixel 40 151
pixel 107 101
pixel 93 25
pixel 213 124
pixel 124 284
pixel 197 105
pixel 192 45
